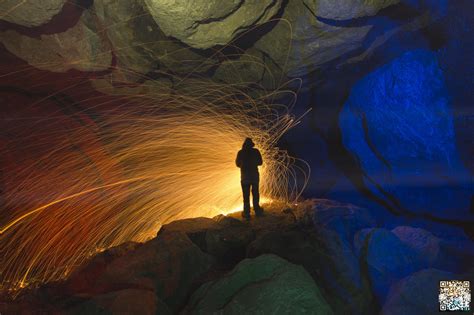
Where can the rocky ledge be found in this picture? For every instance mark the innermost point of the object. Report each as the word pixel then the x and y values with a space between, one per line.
pixel 316 257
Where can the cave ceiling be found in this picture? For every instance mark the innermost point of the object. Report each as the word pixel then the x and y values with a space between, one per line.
pixel 260 43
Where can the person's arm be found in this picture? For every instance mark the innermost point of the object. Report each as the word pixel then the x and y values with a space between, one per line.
pixel 238 160
pixel 259 158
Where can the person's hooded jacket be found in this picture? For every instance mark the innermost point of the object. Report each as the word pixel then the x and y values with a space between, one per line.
pixel 248 159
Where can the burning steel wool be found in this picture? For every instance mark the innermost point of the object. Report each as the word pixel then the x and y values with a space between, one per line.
pixel 144 164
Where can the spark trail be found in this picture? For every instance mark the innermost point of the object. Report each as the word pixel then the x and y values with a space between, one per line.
pixel 76 187
pixel 155 159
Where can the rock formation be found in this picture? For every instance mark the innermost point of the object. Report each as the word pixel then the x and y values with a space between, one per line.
pixel 292 260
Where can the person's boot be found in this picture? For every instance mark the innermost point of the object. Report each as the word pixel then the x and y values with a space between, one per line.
pixel 246 214
pixel 258 211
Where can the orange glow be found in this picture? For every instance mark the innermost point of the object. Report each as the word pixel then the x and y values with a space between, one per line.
pixel 146 166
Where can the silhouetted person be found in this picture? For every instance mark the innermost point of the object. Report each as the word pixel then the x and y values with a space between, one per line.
pixel 248 159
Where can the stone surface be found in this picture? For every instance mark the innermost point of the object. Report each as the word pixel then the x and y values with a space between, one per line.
pixel 226 238
pixel 398 123
pixel 417 294
pixel 204 23
pixel 264 285
pixel 30 12
pixel 299 260
pixel 84 279
pixel 293 245
pixel 345 219
pixel 455 255
pixel 345 275
pixel 388 259
pixel 166 265
pixel 229 242
pixel 308 43
pixel 79 48
pixel 425 244
pixel 347 9
pixel 139 44
pixel 128 301
pixel 305 248
pixel 157 87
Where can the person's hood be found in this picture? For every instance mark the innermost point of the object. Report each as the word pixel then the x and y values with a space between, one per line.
pixel 248 144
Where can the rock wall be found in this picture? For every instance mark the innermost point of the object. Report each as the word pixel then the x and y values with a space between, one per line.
pixel 398 123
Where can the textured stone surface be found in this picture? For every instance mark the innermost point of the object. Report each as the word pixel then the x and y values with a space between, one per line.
pixel 139 44
pixel 166 265
pixel 155 87
pixel 310 251
pixel 308 43
pixel 249 68
pixel 30 12
pixel 80 48
pixel 128 301
pixel 387 258
pixel 417 294
pixel 267 284
pixel 226 238
pixel 425 244
pixel 205 23
pixel 398 123
pixel 85 278
pixel 346 9
pixel 343 273
pixel 345 219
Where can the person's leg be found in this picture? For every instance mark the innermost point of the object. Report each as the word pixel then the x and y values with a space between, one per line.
pixel 246 197
pixel 256 197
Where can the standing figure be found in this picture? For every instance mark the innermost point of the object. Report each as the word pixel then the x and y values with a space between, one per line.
pixel 248 159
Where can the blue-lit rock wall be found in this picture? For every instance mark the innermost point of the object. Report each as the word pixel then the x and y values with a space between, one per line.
pixel 398 125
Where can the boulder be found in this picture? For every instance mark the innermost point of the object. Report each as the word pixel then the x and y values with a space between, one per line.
pixel 455 255
pixel 226 238
pixel 246 69
pixel 128 301
pixel 417 294
pixel 79 48
pixel 329 247
pixel 30 13
pixel 85 277
pixel 342 218
pixel 347 9
pixel 167 265
pixel 307 250
pixel 344 275
pixel 425 244
pixel 398 123
pixel 387 258
pixel 139 44
pixel 295 246
pixel 267 284
pixel 308 43
pixel 207 23
pixel 195 228
pixel 229 242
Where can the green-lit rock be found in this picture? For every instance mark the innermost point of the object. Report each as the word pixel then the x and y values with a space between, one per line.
pixel 207 23
pixel 29 12
pixel 139 44
pixel 80 48
pixel 267 284
pixel 299 43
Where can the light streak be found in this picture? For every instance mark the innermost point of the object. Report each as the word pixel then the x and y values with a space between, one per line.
pixel 161 159
pixel 155 158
